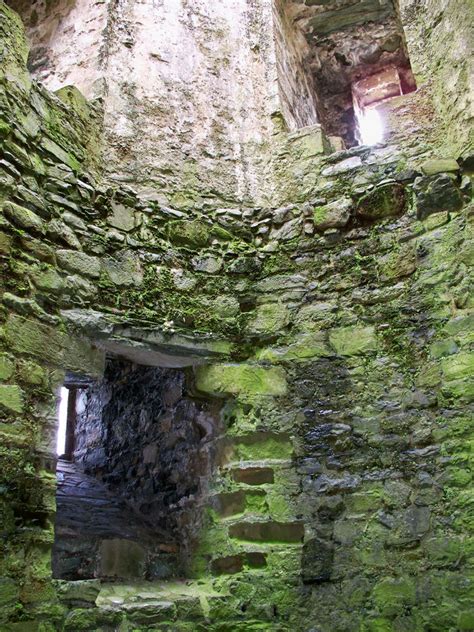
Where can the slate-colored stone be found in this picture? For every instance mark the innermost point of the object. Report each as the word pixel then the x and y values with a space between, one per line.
pixel 435 194
pixel 317 561
pixel 79 262
pixel 23 217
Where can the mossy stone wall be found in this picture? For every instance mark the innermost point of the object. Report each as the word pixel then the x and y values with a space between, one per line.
pixel 341 357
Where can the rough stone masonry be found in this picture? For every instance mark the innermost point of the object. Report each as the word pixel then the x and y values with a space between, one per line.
pixel 272 330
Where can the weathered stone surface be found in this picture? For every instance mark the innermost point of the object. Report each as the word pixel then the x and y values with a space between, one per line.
pixel 7 366
pixel 23 217
pixel 35 338
pixel 307 347
pixel 253 475
pixel 79 593
pixel 365 444
pixel 227 565
pixel 79 262
pixel 384 201
pixel 435 194
pixel 317 561
pixel 240 379
pixel 9 592
pixel 333 215
pixel 349 341
pixel 11 398
pixel 269 318
pixel 122 217
pixel 343 167
pixel 208 264
pixel 267 531
pixel 392 594
pixel 124 269
pixel 189 233
pixel 440 165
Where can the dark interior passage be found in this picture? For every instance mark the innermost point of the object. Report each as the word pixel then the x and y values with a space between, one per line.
pixel 133 479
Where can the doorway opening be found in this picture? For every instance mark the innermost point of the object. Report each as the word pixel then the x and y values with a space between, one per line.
pixel 135 455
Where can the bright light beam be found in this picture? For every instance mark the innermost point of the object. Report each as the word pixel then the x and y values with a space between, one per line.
pixel 370 127
pixel 61 438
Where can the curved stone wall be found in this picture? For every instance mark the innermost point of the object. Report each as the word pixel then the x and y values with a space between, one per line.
pixel 334 331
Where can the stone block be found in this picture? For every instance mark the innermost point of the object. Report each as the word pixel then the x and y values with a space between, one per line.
pixel 124 270
pixel 240 379
pixel 333 215
pixel 80 593
pixel 348 341
pixel 434 166
pixel 5 243
pixel 391 595
pixel 189 233
pixel 255 559
pixel 268 318
pixel 305 348
pixel 317 561
pixel 229 504
pixel 345 166
pixel 59 231
pixel 149 613
pixel 7 366
pixel 383 201
pixel 122 217
pixel 435 194
pixel 79 262
pixel 227 565
pixel 47 280
pixel 23 217
pixel 9 592
pixel 11 398
pixel 458 366
pixel 34 338
pixel 208 264
pixel 263 445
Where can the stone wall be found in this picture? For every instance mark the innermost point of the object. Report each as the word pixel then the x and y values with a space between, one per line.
pixel 439 37
pixel 335 332
pixel 297 93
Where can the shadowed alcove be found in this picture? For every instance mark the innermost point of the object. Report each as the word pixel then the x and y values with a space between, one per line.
pixel 133 474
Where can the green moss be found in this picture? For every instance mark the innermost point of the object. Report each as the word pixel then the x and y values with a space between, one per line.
pixel 268 318
pixel 11 398
pixel 263 446
pixel 458 366
pixel 159 300
pixel 193 233
pixel 35 338
pixel 305 348
pixel 7 366
pixel 348 341
pixel 391 595
pixel 240 379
